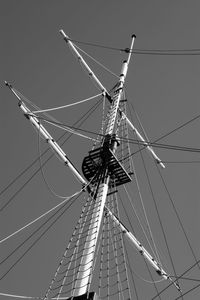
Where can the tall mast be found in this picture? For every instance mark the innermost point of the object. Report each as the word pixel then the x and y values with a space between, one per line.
pixel 109 146
pixel 106 153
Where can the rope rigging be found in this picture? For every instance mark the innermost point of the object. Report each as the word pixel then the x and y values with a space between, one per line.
pixel 38 218
pixel 37 239
pixel 135 141
pixel 82 119
pixel 35 161
pixel 67 105
pixel 176 52
pixel 108 165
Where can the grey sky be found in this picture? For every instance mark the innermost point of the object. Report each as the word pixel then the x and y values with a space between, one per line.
pixel 164 90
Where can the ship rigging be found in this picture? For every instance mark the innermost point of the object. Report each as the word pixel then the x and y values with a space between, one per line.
pixel 95 263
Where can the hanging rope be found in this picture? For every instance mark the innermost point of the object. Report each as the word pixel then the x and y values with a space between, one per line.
pixel 159 217
pixel 67 105
pixel 40 217
pixel 129 265
pixel 20 297
pixel 38 238
pixel 78 123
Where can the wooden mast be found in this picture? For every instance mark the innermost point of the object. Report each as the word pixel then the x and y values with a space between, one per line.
pixel 109 144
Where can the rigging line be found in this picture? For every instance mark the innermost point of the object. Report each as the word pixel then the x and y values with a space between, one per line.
pixel 38 218
pixel 145 214
pixel 158 215
pixel 169 133
pixel 42 170
pixel 75 252
pixel 64 256
pixel 187 278
pixel 188 291
pixel 96 45
pixel 179 277
pixel 72 127
pixel 97 62
pixel 113 233
pixel 144 51
pixel 165 146
pixel 70 130
pixel 48 115
pixel 114 247
pixel 122 242
pixel 25 99
pixel 65 106
pixel 178 217
pixel 36 230
pixel 81 120
pixel 166 53
pixel 131 271
pixel 85 69
pixel 159 145
pixel 174 147
pixel 146 137
pixel 134 141
pixel 139 121
pixel 149 271
pixel 140 223
pixel 34 243
pixel 182 162
pixel 20 297
pixel 28 167
pixel 140 277
pixel 151 276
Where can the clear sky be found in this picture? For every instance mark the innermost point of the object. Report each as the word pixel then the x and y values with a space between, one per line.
pixel 164 89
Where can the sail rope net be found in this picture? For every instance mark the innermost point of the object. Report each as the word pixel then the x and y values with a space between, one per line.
pixel 112 281
pixel 63 283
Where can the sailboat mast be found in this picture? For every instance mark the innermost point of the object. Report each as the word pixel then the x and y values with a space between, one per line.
pixel 109 143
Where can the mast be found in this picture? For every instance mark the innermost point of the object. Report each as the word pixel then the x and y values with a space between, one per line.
pixel 109 145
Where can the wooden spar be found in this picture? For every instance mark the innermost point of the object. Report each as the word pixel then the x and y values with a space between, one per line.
pixel 49 139
pixel 85 65
pixel 138 246
pixel 145 143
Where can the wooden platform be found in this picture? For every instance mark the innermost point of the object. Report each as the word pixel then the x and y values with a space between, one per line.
pixel 102 157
